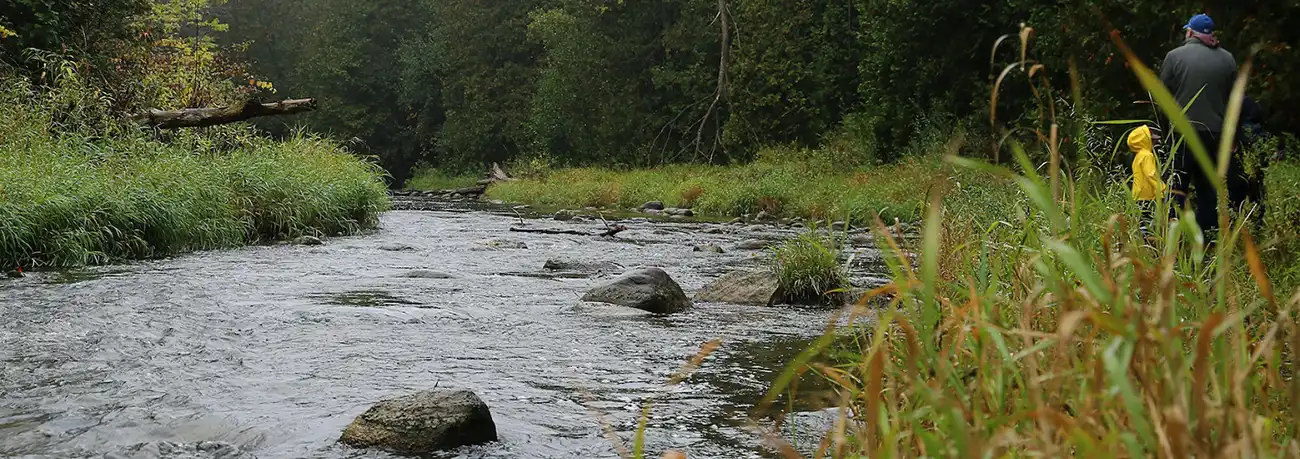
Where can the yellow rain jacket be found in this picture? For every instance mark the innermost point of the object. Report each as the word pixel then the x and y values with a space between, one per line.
pixel 1147 185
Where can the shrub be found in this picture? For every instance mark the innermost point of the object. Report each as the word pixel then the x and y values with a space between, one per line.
pixel 429 178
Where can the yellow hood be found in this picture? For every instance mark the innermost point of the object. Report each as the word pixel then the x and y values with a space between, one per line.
pixel 1140 139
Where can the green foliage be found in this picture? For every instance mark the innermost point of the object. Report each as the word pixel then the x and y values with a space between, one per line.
pixel 432 179
pixel 1282 220
pixel 586 82
pixel 808 267
pixel 795 70
pixel 783 182
pixel 69 199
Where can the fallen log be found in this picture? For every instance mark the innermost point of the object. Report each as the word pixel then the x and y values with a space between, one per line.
pixel 203 117
pixel 611 232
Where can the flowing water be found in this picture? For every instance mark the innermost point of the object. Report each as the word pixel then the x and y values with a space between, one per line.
pixel 271 351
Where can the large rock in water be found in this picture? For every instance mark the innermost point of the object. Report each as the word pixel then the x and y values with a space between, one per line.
pixel 423 423
pixel 647 289
pixel 758 288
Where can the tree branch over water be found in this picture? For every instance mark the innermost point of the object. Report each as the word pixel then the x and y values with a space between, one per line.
pixel 203 117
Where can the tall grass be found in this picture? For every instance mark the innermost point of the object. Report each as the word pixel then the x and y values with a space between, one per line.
pixel 433 179
pixel 785 183
pixel 1061 332
pixel 67 198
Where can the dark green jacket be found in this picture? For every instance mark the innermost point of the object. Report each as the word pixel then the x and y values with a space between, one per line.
pixel 1201 63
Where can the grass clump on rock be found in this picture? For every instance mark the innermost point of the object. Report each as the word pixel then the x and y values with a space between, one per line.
pixel 808 268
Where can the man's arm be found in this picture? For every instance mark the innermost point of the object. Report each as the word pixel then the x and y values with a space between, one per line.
pixel 1168 77
pixel 1167 73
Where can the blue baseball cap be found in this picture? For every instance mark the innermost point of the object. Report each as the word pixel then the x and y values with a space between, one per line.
pixel 1200 24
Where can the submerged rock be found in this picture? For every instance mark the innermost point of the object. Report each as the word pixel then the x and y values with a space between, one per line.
pixel 862 240
pixel 759 288
pixel 566 265
pixel 169 450
pixel 427 274
pixel 308 240
pixel 505 244
pixel 708 248
pixel 396 248
pixel 423 423
pixel 752 244
pixel 647 289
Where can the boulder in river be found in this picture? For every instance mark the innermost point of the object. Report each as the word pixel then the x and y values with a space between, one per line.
pixel 752 244
pixel 758 288
pixel 14 274
pixel 423 423
pixel 708 248
pixel 308 240
pixel 647 289
pixel 653 205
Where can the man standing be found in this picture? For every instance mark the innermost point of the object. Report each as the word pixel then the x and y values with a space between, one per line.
pixel 1200 69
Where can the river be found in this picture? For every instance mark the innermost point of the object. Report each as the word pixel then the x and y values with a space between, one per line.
pixel 270 351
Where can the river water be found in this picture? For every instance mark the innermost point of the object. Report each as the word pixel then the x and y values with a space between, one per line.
pixel 271 351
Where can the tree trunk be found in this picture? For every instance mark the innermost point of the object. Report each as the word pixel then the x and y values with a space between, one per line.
pixel 724 17
pixel 202 117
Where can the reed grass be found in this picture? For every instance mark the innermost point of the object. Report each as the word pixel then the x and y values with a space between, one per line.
pixel 1063 333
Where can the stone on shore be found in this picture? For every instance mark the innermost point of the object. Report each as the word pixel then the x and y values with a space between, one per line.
pixel 653 205
pixel 423 423
pixel 647 289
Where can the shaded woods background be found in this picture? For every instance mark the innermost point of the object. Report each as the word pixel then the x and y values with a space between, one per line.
pixel 458 83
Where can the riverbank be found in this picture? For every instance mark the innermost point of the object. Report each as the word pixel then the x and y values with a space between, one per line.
pixel 77 189
pixel 68 202
pixel 794 187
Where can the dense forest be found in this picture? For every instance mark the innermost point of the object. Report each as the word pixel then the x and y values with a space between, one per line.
pixel 456 84
pixel 459 83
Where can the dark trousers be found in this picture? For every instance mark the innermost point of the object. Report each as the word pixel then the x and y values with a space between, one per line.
pixel 1188 177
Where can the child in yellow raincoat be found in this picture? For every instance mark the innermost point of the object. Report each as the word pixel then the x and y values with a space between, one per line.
pixel 1147 186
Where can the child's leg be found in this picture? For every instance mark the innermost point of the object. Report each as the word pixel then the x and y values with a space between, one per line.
pixel 1148 213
